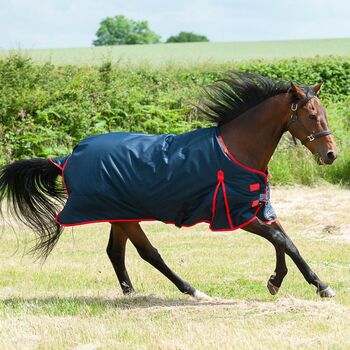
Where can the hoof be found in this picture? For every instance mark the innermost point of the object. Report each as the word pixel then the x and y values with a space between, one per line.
pixel 272 289
pixel 127 290
pixel 326 293
pixel 198 295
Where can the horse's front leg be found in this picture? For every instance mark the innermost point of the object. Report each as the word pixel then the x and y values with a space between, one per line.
pixel 277 238
pixel 322 288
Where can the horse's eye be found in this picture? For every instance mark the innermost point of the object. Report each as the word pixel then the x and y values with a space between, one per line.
pixel 313 117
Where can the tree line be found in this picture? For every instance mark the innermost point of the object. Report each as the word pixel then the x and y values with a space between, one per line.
pixel 120 30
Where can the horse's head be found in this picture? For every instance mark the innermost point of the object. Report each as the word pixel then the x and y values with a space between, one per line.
pixel 308 123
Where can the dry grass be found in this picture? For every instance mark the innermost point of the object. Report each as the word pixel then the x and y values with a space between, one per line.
pixel 73 300
pixel 325 211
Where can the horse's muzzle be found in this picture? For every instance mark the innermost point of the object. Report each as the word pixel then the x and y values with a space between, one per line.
pixel 327 158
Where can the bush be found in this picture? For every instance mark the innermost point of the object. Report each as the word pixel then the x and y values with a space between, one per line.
pixel 187 37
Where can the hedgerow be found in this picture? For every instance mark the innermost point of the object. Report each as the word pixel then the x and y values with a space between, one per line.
pixel 46 109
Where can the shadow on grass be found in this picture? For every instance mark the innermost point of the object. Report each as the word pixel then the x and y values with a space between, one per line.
pixel 57 306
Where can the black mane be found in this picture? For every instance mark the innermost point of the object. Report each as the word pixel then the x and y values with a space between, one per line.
pixel 228 98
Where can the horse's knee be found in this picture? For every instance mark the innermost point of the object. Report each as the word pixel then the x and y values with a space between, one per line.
pixel 291 248
pixel 279 239
pixel 143 253
pixel 114 255
pixel 150 255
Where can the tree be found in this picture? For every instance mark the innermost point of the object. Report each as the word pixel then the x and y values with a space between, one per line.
pixel 119 30
pixel 186 37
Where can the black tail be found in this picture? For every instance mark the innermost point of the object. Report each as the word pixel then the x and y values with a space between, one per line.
pixel 34 197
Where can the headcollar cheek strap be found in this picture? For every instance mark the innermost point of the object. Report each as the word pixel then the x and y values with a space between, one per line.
pixel 294 119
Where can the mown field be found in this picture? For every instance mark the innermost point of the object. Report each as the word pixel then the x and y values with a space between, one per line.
pixel 73 301
pixel 190 53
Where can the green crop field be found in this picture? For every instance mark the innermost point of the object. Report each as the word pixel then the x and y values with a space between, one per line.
pixel 191 53
pixel 73 301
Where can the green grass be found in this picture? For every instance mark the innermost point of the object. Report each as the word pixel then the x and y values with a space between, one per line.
pixel 73 301
pixel 192 53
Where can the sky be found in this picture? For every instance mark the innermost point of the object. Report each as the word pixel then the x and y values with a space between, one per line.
pixel 30 24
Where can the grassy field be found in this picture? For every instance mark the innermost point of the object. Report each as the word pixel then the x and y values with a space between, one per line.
pixel 73 300
pixel 191 53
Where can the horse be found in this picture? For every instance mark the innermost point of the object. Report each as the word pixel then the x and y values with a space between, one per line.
pixel 217 175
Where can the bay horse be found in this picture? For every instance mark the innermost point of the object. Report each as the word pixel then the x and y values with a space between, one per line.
pixel 216 175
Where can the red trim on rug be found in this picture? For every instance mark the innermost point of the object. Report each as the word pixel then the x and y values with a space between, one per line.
pixel 125 220
pixel 55 164
pixel 220 175
pixel 221 141
pixel 213 205
pixel 255 203
pixel 227 207
pixel 265 174
pixel 62 173
pixel 63 179
pixel 254 187
pixel 165 222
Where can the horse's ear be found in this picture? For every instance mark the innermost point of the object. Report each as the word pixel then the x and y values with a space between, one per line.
pixel 298 91
pixel 317 88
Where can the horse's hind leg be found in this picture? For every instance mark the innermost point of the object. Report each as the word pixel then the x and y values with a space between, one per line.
pixel 144 247
pixel 116 253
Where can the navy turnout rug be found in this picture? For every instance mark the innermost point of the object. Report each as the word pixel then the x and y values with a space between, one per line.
pixel 181 179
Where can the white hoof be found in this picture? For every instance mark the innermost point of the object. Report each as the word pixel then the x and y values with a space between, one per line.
pixel 198 295
pixel 327 293
pixel 272 289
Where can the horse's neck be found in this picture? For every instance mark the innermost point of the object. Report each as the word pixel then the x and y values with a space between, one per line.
pixel 253 137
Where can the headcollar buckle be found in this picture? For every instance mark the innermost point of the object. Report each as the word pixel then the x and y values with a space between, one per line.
pixel 311 137
pixel 294 107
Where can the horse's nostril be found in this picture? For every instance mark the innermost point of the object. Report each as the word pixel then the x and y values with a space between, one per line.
pixel 331 155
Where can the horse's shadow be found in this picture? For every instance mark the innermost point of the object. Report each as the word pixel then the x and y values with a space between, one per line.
pixel 72 305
